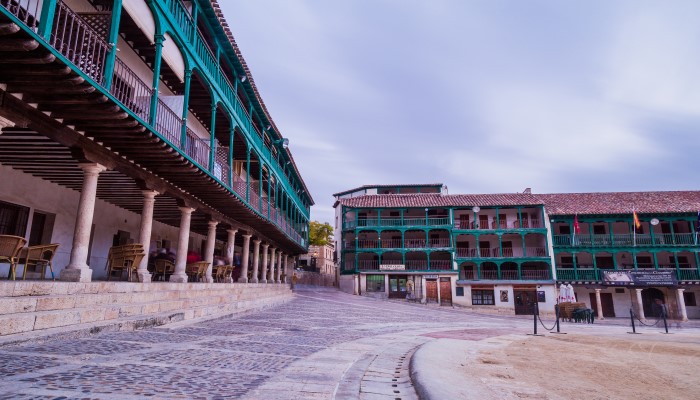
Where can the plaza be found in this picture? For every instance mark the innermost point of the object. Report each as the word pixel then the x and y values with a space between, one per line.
pixel 325 344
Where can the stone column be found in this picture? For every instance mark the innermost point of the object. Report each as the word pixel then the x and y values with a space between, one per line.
pixel 183 241
pixel 263 273
pixel 287 275
pixel 256 260
pixel 149 200
pixel 77 269
pixel 598 304
pixel 244 259
pixel 230 245
pixel 279 267
pixel 273 261
pixel 209 252
pixel 640 305
pixel 681 304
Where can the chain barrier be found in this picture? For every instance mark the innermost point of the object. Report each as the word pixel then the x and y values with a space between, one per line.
pixel 544 326
pixel 642 322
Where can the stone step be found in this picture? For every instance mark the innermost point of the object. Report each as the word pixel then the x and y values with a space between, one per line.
pixel 190 307
pixel 29 303
pixel 141 321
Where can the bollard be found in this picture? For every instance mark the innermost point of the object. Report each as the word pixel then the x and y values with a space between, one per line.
pixel 535 312
pixel 663 315
pixel 556 312
pixel 634 330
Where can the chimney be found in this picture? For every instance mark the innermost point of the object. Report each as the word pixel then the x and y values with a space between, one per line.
pixel 527 191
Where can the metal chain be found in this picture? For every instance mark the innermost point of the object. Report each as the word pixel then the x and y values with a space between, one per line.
pixel 542 323
pixel 641 322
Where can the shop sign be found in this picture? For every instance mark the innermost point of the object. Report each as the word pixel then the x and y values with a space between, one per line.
pixel 430 276
pixel 640 278
pixel 392 267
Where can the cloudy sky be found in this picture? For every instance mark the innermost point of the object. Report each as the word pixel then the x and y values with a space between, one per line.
pixel 484 96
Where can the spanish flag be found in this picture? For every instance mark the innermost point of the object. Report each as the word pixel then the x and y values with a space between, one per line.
pixel 637 224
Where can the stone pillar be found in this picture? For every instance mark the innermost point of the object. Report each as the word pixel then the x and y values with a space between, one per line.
pixel 287 275
pixel 681 304
pixel 77 269
pixel 598 304
pixel 183 241
pixel 244 259
pixel 273 261
pixel 263 272
pixel 230 245
pixel 256 260
pixel 279 267
pixel 5 123
pixel 640 305
pixel 209 251
pixel 149 200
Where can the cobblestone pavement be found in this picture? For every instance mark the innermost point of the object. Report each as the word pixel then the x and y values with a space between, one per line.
pixel 324 344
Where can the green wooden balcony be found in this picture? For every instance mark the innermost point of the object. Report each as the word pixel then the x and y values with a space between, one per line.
pixel 588 273
pixel 397 222
pixel 495 252
pixel 626 240
pixel 506 275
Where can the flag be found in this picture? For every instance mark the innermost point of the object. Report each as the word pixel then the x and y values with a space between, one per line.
pixel 577 227
pixel 637 224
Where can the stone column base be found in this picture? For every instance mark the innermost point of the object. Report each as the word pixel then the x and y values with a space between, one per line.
pixel 208 279
pixel 143 276
pixel 254 280
pixel 243 279
pixel 178 278
pixel 263 281
pixel 76 275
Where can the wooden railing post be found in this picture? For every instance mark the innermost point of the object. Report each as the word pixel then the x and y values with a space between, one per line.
pixel 48 9
pixel 156 78
pixel 112 43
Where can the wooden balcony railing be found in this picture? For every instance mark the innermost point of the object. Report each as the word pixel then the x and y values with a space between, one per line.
pixel 626 240
pixel 506 252
pixel 475 225
pixel 507 274
pixel 588 273
pixel 393 222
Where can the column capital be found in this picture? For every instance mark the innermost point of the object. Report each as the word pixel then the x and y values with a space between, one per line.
pixel 257 241
pixel 265 245
pixel 213 223
pixel 186 210
pixel 247 236
pixel 598 290
pixel 149 194
pixel 92 168
pixel 681 290
pixel 232 231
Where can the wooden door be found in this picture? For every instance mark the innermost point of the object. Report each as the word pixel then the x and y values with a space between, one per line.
pixel 606 300
pixel 445 292
pixel 485 249
pixel 431 292
pixel 524 301
pixel 464 221
pixel 483 222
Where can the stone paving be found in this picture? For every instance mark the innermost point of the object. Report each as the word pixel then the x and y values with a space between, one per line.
pixel 324 344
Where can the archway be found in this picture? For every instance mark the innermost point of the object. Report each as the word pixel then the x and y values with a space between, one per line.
pixel 649 301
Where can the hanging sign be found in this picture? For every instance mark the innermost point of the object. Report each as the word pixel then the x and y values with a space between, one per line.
pixel 392 267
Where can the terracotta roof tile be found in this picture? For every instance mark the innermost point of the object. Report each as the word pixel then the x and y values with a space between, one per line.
pixel 440 200
pixel 621 202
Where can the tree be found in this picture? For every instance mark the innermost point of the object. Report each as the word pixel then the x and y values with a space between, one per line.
pixel 320 234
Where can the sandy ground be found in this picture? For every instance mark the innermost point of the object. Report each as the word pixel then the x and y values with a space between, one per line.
pixel 574 366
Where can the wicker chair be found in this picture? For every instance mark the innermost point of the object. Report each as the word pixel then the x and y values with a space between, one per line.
pixel 163 269
pixel 196 271
pixel 10 246
pixel 124 258
pixel 39 256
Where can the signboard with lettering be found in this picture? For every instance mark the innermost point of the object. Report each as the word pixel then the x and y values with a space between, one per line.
pixel 640 278
pixel 392 267
pixel 430 276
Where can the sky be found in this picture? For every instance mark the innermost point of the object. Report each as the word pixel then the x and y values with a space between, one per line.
pixel 484 96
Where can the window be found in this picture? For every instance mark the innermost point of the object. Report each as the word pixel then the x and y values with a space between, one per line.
pixel 599 229
pixel 375 283
pixel 13 219
pixel 564 230
pixel 42 228
pixel 689 298
pixel 482 297
pixel 459 291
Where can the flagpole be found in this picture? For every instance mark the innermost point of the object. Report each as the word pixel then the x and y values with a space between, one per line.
pixel 634 230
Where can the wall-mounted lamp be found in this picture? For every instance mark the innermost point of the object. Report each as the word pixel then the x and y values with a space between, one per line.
pixel 284 143
pixel 242 77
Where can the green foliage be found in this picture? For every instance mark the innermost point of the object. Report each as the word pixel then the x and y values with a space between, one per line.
pixel 320 234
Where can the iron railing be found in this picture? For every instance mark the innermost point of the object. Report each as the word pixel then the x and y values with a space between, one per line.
pixel 626 240
pixel 27 11
pixel 588 273
pixel 131 91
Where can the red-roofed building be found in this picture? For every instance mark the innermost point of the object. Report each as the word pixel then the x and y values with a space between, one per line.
pixel 510 250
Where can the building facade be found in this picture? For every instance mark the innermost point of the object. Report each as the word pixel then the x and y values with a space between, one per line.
pixel 319 259
pixel 506 252
pixel 139 122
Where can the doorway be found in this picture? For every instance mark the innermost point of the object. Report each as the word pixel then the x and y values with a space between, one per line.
pixel 397 287
pixel 649 297
pixel 606 301
pixel 524 301
pixel 445 292
pixel 431 291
